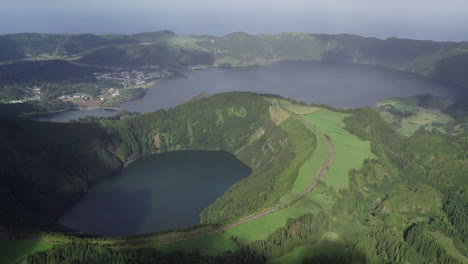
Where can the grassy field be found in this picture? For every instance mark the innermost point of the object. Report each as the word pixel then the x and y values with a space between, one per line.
pixel 298 109
pixel 12 251
pixel 329 244
pixel 427 119
pixel 320 199
pixel 403 104
pixel 309 170
pixel 260 228
pixel 350 152
pixel 278 115
pixel 413 116
pixel 447 243
pixel 208 245
pixel 186 42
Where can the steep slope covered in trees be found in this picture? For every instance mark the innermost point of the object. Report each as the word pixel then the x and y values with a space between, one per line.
pixel 47 166
pixel 407 205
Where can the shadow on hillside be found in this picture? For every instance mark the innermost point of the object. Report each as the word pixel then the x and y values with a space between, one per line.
pixel 350 258
pixel 109 213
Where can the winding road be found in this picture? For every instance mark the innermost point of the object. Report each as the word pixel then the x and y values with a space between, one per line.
pixel 207 231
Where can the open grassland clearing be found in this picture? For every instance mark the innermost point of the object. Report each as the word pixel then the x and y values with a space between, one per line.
pixel 408 114
pixel 448 244
pixel 12 250
pixel 309 169
pixel 297 108
pixel 207 245
pixel 402 104
pixel 420 198
pixel 186 42
pixel 278 115
pixel 350 152
pixel 319 199
pixel 426 118
pixel 329 245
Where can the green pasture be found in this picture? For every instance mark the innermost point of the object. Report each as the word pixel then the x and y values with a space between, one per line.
pixel 350 152
pixel 12 250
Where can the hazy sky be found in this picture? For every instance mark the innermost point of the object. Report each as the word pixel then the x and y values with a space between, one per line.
pixel 417 19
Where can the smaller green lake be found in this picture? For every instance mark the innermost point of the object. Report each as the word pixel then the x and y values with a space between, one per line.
pixel 159 192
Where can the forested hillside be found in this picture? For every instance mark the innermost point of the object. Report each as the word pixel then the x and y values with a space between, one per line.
pixel 25 45
pixel 163 55
pixel 46 166
pixel 236 122
pixel 58 161
pixel 405 205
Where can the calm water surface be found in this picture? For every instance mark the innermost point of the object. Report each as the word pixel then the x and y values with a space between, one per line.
pixel 339 85
pixel 159 192
pixel 66 116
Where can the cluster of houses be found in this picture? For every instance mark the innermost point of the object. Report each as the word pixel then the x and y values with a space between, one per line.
pixel 135 77
pixel 75 96
pixel 126 78
pixel 110 92
pixel 113 91
pixel 36 90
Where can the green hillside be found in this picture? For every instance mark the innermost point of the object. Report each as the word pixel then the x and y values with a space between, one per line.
pixel 47 166
pixel 386 198
pixel 409 114
pixel 85 151
pixel 161 54
pixel 443 61
pixel 43 46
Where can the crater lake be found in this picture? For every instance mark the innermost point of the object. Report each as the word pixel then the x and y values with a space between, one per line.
pixel 158 192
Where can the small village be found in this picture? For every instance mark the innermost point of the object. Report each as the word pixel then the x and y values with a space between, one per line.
pixel 135 77
pixel 126 79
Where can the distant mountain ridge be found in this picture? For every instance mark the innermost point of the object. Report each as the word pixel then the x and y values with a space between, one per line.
pixel 442 61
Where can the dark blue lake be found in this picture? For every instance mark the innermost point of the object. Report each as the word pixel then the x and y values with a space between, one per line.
pixel 159 192
pixel 339 85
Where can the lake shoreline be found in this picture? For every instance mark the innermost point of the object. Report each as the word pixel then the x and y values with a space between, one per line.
pixel 68 109
pixel 311 81
pixel 316 85
pixel 136 189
